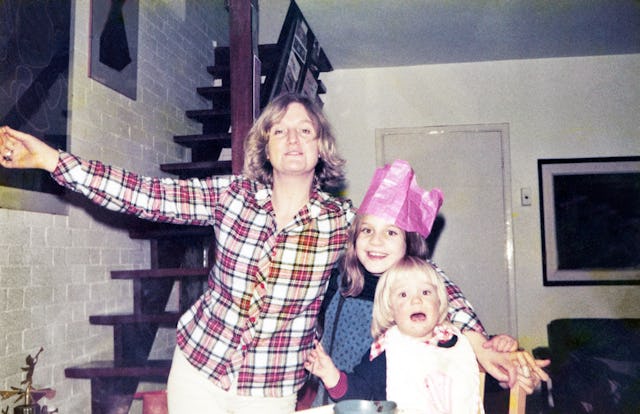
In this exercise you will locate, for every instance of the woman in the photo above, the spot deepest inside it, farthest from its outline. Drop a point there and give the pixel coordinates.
(241, 346)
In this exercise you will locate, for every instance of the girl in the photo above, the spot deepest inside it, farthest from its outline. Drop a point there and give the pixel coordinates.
(381, 235)
(418, 359)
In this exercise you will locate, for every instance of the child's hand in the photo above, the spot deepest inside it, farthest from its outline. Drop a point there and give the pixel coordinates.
(319, 363)
(502, 343)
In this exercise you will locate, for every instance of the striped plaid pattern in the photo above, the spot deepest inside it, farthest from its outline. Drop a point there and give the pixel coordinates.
(256, 319)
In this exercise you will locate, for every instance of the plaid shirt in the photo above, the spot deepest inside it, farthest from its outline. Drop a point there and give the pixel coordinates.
(256, 320)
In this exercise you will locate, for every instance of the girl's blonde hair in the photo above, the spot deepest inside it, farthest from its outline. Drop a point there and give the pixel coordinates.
(352, 280)
(382, 311)
(330, 168)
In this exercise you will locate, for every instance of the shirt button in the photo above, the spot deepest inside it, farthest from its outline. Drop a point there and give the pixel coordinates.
(252, 319)
(244, 348)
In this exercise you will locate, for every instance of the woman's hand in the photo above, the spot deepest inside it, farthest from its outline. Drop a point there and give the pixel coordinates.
(530, 372)
(508, 368)
(319, 363)
(21, 150)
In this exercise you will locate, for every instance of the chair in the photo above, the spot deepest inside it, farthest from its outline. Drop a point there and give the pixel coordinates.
(153, 402)
(517, 397)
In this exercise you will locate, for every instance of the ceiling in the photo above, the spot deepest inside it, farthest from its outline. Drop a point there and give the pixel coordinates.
(377, 33)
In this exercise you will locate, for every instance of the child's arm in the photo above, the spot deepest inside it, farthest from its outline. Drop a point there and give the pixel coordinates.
(319, 363)
(367, 381)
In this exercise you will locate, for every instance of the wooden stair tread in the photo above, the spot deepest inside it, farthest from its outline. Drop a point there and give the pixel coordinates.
(269, 58)
(266, 52)
(175, 272)
(221, 138)
(198, 169)
(213, 119)
(207, 113)
(95, 369)
(221, 71)
(115, 319)
(214, 92)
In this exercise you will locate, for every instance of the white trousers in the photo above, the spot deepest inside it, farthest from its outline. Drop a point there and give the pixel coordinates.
(189, 391)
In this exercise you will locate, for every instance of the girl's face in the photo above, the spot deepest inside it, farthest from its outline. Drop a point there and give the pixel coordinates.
(415, 305)
(379, 244)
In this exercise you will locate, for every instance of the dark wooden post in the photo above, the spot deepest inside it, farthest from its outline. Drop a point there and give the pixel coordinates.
(243, 15)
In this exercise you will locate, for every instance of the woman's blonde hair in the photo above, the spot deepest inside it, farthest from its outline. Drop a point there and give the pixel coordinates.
(352, 281)
(382, 311)
(329, 171)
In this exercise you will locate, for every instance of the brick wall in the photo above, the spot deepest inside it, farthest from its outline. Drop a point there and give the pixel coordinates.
(54, 270)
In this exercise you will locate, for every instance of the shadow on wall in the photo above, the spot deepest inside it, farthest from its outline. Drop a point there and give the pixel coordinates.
(434, 236)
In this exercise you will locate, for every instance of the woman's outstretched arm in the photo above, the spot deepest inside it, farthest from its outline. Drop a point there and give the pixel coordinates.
(22, 150)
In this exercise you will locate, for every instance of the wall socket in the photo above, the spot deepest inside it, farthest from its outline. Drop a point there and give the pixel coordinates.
(525, 196)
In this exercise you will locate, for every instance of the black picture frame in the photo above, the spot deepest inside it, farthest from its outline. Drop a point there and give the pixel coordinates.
(114, 45)
(590, 220)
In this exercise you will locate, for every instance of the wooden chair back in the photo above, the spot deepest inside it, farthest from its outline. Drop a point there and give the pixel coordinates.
(517, 397)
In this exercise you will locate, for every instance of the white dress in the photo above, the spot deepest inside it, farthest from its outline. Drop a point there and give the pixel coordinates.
(423, 377)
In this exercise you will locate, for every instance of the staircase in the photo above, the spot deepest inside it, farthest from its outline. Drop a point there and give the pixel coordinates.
(179, 254)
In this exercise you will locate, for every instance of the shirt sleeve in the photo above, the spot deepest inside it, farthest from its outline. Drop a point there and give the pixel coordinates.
(188, 201)
(461, 312)
(368, 381)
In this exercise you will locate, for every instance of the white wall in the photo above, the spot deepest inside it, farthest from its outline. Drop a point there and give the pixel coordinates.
(555, 108)
(55, 270)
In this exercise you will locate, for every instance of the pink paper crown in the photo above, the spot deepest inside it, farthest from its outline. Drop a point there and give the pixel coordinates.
(394, 195)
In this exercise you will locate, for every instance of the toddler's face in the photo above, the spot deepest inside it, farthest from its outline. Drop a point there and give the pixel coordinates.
(379, 244)
(415, 305)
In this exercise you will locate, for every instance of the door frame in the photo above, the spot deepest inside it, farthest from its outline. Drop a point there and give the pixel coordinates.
(503, 130)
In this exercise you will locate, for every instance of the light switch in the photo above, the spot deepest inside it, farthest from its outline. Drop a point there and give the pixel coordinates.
(525, 196)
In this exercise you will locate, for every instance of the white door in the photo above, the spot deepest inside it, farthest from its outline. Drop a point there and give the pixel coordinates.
(470, 163)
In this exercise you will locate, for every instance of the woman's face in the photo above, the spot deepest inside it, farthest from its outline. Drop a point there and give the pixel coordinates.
(415, 305)
(379, 244)
(293, 148)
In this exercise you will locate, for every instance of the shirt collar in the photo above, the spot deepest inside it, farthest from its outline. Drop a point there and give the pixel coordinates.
(443, 337)
(317, 199)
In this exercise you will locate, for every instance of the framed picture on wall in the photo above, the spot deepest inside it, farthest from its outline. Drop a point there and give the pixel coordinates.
(310, 85)
(301, 59)
(300, 41)
(114, 45)
(590, 220)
